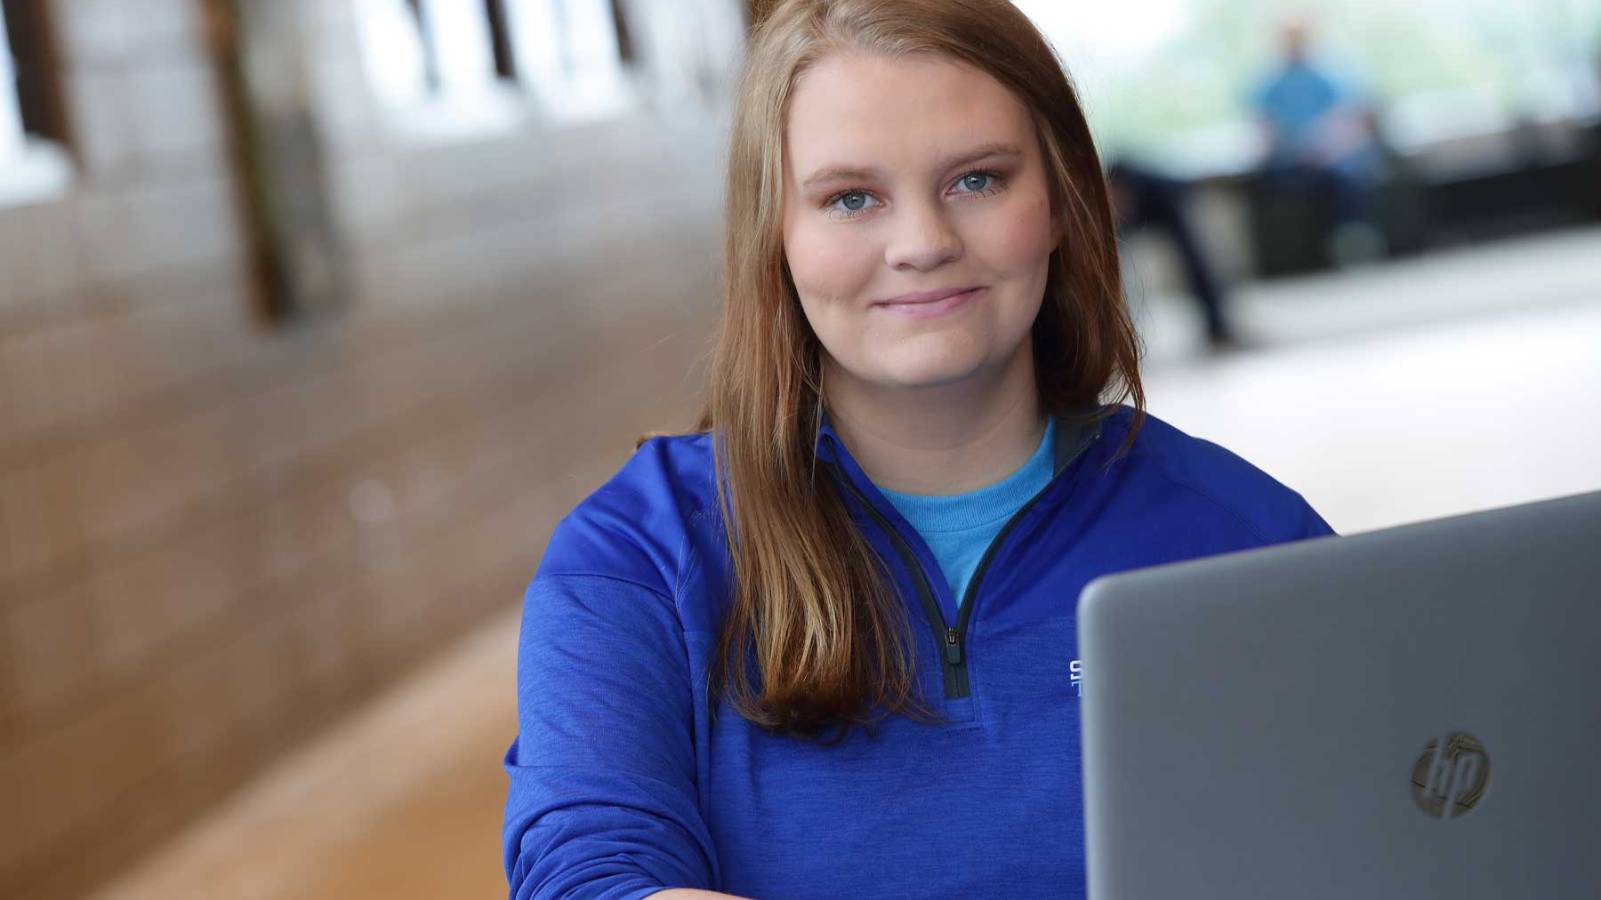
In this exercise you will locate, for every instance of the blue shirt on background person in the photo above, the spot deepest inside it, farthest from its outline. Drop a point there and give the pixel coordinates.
(1316, 113)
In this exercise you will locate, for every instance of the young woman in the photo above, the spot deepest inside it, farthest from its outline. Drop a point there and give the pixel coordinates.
(824, 645)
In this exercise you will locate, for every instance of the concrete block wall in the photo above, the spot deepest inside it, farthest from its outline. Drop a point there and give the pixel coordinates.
(217, 535)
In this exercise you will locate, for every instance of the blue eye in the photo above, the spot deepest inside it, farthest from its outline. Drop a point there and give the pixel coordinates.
(977, 182)
(849, 204)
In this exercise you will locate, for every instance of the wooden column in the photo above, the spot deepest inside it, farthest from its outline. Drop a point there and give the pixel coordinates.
(278, 158)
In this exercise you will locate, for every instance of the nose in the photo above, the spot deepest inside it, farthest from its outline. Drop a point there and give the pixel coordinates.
(923, 240)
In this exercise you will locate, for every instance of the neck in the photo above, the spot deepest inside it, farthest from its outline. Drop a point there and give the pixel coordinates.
(939, 439)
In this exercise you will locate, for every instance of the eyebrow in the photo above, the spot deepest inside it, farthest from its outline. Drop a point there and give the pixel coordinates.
(857, 173)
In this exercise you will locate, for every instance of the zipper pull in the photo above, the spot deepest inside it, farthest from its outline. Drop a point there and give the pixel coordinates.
(953, 646)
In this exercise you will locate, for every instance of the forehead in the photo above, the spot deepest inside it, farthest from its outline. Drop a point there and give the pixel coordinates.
(870, 109)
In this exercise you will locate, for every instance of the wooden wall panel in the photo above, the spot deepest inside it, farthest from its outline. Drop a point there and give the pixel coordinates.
(216, 536)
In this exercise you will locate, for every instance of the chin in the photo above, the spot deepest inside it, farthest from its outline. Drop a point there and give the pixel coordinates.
(929, 373)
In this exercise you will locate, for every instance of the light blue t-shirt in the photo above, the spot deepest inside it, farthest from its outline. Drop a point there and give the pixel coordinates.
(958, 528)
(1295, 96)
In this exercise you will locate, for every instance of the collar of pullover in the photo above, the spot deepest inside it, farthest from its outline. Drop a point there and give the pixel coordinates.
(1073, 435)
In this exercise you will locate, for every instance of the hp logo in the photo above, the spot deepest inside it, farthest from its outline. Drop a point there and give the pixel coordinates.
(1449, 778)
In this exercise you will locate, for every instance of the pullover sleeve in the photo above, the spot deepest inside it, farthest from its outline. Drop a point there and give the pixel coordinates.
(602, 799)
(1313, 526)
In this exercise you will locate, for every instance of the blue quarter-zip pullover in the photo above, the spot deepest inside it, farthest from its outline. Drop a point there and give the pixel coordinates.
(621, 783)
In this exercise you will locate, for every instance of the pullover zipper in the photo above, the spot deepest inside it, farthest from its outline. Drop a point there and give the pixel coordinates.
(951, 638)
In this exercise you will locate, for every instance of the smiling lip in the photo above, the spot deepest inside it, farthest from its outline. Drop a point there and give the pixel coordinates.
(926, 304)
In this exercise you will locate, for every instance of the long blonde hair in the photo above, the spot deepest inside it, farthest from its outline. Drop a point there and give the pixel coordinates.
(810, 596)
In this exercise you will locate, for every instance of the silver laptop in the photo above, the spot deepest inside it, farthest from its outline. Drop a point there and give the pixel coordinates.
(1406, 713)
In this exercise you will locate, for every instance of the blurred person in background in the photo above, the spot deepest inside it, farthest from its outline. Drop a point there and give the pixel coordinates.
(1595, 70)
(1321, 139)
(828, 636)
(1143, 198)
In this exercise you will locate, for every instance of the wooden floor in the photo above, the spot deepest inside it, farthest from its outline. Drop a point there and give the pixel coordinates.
(401, 801)
(1460, 382)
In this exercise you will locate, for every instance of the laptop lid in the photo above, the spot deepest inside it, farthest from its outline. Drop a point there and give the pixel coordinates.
(1412, 712)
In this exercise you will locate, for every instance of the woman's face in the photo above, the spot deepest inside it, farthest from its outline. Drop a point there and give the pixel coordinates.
(917, 218)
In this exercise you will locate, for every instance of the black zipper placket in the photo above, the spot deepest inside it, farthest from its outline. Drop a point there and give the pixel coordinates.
(956, 638)
(952, 667)
(952, 640)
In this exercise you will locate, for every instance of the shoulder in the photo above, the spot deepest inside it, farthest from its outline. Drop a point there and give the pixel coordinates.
(634, 527)
(1213, 477)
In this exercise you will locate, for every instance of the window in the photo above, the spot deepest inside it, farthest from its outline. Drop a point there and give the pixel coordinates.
(391, 39)
(417, 49)
(33, 162)
(570, 55)
(10, 110)
(443, 67)
(457, 48)
(690, 49)
(10, 114)
(1173, 75)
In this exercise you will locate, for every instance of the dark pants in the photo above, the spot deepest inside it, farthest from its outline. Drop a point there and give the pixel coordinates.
(1348, 195)
(1156, 201)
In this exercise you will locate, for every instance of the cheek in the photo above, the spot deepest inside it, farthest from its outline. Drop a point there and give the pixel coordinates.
(1021, 241)
(828, 265)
